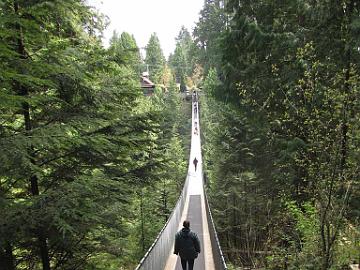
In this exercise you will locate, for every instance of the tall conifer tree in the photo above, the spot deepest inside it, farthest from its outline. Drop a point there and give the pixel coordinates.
(154, 59)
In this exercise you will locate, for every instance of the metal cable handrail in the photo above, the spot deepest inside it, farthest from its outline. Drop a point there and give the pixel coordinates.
(218, 256)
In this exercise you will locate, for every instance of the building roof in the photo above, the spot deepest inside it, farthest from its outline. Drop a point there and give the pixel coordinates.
(146, 83)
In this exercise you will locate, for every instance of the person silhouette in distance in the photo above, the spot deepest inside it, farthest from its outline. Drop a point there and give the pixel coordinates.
(195, 162)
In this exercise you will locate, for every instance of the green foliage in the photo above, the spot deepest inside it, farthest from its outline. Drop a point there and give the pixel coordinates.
(183, 60)
(125, 51)
(303, 253)
(212, 83)
(208, 34)
(347, 247)
(178, 63)
(154, 58)
(286, 99)
(79, 142)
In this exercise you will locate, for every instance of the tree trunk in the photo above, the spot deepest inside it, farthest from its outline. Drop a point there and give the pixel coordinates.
(7, 257)
(164, 200)
(347, 88)
(34, 187)
(44, 252)
(142, 222)
(329, 225)
(344, 124)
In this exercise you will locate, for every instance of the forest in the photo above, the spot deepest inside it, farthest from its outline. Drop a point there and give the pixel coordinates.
(91, 167)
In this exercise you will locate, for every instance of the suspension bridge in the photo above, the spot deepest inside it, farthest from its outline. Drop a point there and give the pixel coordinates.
(192, 205)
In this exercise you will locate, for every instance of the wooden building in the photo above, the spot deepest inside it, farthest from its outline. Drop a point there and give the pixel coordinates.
(146, 84)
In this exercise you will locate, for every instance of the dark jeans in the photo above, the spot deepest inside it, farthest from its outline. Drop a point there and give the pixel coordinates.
(189, 261)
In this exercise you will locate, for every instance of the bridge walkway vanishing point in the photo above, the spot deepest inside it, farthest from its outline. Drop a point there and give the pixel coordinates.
(194, 209)
(192, 205)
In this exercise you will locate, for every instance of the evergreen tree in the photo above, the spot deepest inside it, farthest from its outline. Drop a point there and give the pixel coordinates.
(125, 50)
(179, 64)
(184, 59)
(208, 34)
(73, 140)
(185, 42)
(291, 88)
(154, 58)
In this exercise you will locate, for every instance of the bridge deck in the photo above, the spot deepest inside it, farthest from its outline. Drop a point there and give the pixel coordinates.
(194, 209)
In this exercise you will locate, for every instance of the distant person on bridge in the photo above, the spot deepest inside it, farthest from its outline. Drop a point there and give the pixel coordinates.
(195, 98)
(195, 162)
(187, 245)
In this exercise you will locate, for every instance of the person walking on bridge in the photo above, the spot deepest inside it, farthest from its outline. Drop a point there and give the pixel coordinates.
(195, 98)
(187, 245)
(195, 162)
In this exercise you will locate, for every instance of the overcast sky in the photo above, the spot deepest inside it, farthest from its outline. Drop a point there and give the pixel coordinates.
(143, 17)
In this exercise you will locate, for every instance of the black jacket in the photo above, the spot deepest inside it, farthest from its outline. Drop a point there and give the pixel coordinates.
(187, 244)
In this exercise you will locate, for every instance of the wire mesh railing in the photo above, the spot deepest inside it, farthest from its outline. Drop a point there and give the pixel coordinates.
(157, 255)
(218, 256)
